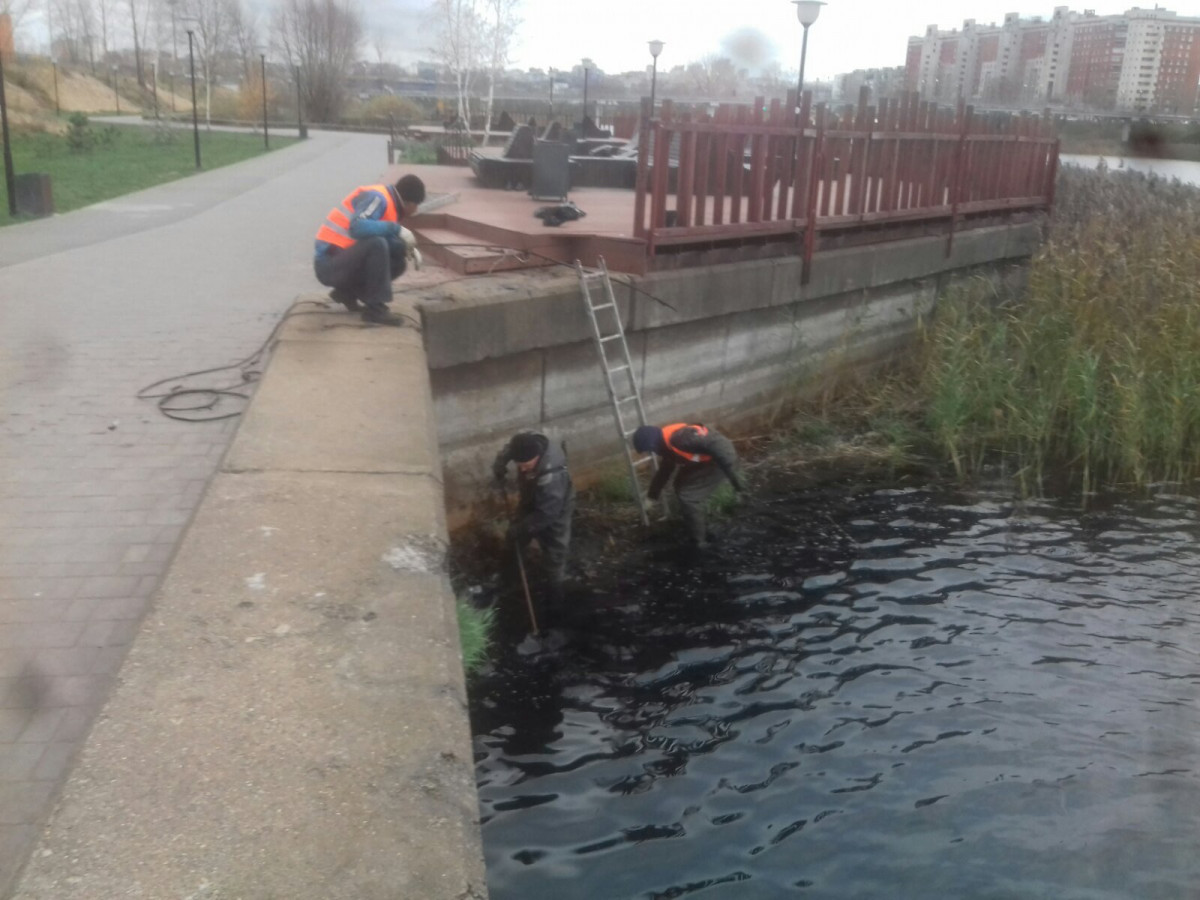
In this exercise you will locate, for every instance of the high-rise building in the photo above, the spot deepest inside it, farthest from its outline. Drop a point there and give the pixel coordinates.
(1141, 61)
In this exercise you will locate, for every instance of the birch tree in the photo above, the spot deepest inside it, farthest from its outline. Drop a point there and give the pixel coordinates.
(459, 31)
(501, 25)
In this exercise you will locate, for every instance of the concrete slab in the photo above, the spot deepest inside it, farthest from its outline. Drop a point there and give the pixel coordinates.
(331, 402)
(291, 721)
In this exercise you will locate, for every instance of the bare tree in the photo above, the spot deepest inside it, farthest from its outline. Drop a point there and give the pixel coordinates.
(15, 10)
(74, 19)
(459, 32)
(715, 77)
(104, 9)
(501, 24)
(322, 37)
(243, 33)
(209, 23)
(139, 16)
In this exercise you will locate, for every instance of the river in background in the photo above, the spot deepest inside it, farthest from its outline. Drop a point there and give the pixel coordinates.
(1185, 171)
(880, 693)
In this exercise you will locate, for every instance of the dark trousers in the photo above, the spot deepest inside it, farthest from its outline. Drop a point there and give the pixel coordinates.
(364, 270)
(554, 541)
(694, 484)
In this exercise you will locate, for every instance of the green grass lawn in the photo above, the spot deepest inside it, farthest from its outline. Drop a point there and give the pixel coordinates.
(123, 159)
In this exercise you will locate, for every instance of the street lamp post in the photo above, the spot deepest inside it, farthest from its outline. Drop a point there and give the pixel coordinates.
(10, 178)
(54, 65)
(266, 136)
(807, 12)
(154, 65)
(656, 48)
(583, 122)
(171, 81)
(299, 108)
(116, 95)
(195, 114)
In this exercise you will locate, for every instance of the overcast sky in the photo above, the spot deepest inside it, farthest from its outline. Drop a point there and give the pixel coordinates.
(848, 35)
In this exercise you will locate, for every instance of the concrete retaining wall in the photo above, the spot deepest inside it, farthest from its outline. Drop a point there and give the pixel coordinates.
(723, 344)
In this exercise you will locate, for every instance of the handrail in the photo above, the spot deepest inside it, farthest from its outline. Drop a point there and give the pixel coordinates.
(756, 170)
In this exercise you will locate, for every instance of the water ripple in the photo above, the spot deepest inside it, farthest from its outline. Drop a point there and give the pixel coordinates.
(892, 693)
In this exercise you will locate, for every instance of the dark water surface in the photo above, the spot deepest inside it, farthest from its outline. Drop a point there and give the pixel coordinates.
(886, 695)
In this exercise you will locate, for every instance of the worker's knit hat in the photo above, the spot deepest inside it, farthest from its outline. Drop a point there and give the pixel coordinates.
(647, 439)
(526, 446)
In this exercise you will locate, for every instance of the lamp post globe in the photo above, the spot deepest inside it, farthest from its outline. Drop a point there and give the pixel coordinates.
(806, 12)
(656, 47)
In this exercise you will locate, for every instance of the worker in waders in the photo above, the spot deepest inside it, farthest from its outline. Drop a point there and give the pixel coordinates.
(362, 246)
(700, 458)
(546, 503)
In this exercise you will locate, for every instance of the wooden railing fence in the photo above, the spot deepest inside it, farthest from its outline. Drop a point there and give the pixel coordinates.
(744, 173)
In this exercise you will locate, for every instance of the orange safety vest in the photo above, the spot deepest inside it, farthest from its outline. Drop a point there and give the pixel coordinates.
(336, 227)
(669, 430)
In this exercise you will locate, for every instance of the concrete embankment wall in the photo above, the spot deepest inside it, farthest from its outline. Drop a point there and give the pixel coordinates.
(721, 344)
(291, 720)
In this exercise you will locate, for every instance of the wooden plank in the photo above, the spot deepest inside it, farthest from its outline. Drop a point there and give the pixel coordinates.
(687, 171)
(800, 176)
(810, 217)
(709, 233)
(700, 185)
(723, 163)
(741, 119)
(858, 158)
(641, 186)
(758, 166)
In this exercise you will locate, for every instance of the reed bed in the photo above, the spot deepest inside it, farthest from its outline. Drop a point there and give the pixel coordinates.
(1091, 381)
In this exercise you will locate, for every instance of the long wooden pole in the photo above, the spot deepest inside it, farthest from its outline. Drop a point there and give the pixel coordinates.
(525, 584)
(521, 568)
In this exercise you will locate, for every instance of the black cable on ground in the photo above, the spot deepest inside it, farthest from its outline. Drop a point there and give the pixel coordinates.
(203, 402)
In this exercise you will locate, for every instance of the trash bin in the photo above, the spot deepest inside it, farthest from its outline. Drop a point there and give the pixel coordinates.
(33, 194)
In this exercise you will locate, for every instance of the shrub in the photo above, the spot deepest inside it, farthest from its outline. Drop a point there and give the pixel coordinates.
(389, 108)
(80, 138)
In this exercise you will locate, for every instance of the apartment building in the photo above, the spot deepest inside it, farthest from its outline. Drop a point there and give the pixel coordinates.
(1141, 61)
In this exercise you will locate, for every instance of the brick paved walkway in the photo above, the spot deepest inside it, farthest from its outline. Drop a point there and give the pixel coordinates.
(96, 487)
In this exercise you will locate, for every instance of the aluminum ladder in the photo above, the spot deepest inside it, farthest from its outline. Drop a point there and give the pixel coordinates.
(619, 377)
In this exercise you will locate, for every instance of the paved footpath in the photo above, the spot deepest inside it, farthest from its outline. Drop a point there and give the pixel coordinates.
(97, 486)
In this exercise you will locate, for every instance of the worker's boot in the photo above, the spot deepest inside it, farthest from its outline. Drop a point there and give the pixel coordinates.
(348, 300)
(381, 315)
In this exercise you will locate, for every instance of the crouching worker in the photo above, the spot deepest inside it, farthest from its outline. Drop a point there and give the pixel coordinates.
(362, 246)
(699, 458)
(546, 503)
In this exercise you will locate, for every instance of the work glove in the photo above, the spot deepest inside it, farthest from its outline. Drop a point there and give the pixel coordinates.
(410, 245)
